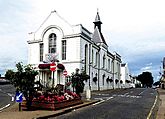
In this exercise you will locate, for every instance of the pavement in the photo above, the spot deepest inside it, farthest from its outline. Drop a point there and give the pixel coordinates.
(12, 112)
(161, 110)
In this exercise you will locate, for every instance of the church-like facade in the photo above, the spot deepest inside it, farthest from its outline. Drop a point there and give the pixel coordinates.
(71, 47)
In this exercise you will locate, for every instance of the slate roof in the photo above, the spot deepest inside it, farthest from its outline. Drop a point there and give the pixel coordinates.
(97, 35)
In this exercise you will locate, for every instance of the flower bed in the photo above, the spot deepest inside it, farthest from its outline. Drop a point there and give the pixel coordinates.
(54, 102)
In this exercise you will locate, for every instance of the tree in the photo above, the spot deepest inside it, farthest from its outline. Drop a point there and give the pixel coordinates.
(23, 80)
(146, 79)
(78, 81)
(156, 83)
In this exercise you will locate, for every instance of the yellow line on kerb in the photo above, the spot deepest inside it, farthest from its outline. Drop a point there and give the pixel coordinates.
(149, 115)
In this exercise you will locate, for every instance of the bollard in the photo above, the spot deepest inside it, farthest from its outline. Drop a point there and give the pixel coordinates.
(88, 94)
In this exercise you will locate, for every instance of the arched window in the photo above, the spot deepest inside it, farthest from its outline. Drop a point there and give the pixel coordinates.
(52, 43)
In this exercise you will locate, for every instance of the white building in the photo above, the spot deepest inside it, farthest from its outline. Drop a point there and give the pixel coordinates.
(125, 75)
(73, 46)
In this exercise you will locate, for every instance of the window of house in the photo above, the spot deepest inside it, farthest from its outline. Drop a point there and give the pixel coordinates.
(86, 57)
(109, 65)
(52, 43)
(92, 56)
(64, 50)
(41, 51)
(104, 61)
(96, 59)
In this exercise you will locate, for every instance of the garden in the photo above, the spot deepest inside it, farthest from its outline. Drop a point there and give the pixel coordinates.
(51, 99)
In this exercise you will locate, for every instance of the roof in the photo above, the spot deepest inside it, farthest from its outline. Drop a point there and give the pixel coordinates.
(98, 36)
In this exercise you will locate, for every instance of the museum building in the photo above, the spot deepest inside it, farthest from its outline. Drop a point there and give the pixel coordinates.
(72, 47)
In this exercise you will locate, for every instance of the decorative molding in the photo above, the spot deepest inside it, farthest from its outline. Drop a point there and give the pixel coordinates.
(34, 41)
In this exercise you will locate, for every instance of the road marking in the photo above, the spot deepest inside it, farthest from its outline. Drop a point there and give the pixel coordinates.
(128, 96)
(99, 102)
(149, 115)
(9, 94)
(102, 94)
(141, 92)
(126, 93)
(109, 98)
(98, 99)
(12, 99)
(4, 107)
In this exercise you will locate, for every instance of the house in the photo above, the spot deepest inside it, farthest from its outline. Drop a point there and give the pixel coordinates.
(162, 79)
(71, 47)
(125, 76)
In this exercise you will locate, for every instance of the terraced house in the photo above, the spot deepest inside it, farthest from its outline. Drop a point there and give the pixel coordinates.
(73, 46)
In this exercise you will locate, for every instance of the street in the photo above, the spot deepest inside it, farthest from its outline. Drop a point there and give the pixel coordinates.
(118, 104)
(7, 93)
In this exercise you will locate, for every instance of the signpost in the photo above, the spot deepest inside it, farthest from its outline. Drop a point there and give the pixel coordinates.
(19, 99)
(53, 69)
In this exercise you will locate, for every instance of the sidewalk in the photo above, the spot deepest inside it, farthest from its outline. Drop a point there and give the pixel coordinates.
(13, 113)
(161, 110)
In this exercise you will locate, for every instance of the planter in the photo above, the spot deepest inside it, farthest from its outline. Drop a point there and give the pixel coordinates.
(36, 104)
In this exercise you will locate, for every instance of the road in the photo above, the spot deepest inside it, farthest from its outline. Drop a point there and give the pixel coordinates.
(118, 104)
(7, 93)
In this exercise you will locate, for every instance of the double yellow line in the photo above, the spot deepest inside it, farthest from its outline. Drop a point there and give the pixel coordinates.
(149, 115)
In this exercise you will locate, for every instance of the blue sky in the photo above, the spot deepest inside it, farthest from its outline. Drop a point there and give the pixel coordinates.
(133, 28)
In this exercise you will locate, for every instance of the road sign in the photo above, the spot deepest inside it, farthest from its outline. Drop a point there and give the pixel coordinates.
(65, 73)
(19, 97)
(53, 66)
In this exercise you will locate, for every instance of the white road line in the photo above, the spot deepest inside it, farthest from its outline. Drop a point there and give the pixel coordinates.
(98, 99)
(109, 98)
(99, 102)
(9, 94)
(4, 107)
(12, 99)
(149, 115)
(126, 93)
(141, 92)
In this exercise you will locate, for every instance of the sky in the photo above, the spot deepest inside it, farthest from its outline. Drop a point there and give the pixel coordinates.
(133, 28)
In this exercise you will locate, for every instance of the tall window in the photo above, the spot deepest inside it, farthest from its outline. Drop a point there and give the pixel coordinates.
(52, 43)
(109, 65)
(92, 56)
(41, 51)
(64, 50)
(86, 57)
(104, 61)
(96, 62)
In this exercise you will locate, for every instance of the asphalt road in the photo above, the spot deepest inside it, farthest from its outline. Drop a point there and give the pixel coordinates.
(118, 104)
(7, 93)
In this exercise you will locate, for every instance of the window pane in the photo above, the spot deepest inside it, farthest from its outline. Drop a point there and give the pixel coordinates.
(41, 51)
(52, 43)
(64, 50)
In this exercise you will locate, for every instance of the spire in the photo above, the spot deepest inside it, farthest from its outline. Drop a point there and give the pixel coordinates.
(97, 16)
(97, 21)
